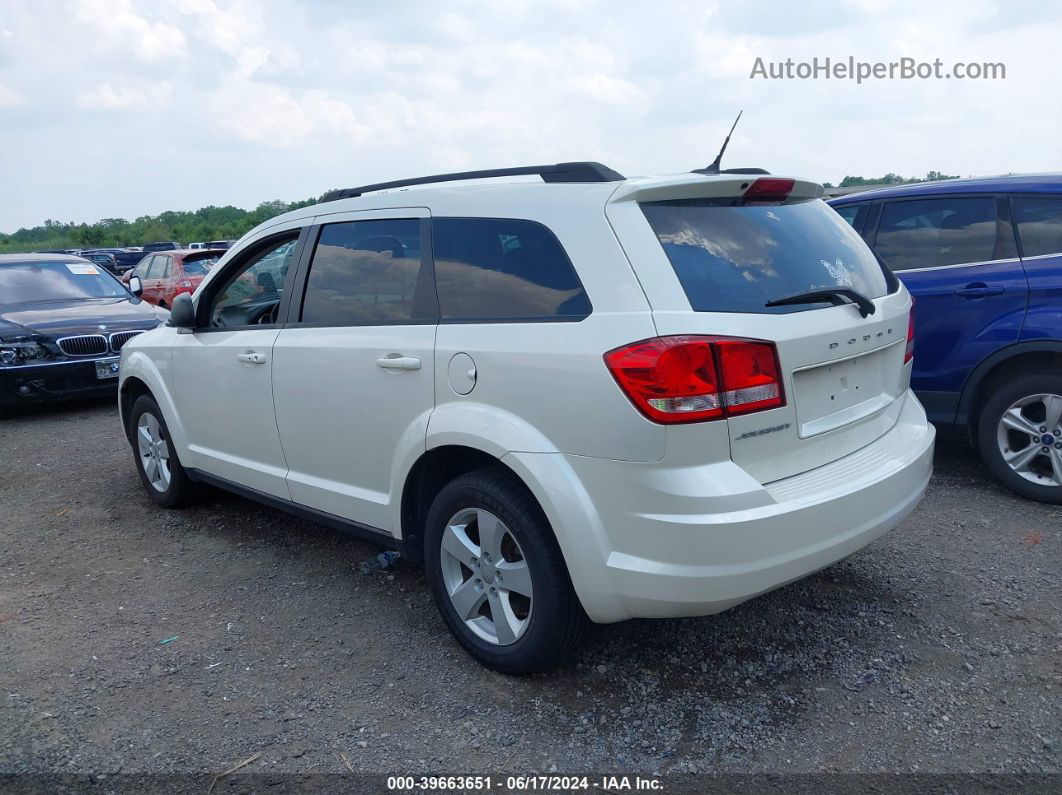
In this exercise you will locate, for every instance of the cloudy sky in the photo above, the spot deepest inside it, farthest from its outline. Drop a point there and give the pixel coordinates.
(130, 107)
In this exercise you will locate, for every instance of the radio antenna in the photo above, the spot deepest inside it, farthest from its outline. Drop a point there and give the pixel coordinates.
(714, 167)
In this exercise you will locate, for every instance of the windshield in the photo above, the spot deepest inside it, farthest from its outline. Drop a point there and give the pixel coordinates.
(30, 282)
(737, 258)
(200, 265)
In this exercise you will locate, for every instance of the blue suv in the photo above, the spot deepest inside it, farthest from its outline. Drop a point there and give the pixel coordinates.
(983, 258)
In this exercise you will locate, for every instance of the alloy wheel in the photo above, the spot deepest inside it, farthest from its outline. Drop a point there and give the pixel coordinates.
(1030, 438)
(486, 576)
(154, 451)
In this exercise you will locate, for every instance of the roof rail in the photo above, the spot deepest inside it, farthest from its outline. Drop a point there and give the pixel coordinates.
(583, 171)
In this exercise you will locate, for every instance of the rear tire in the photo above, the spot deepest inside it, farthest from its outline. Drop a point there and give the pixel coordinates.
(1019, 434)
(164, 479)
(498, 577)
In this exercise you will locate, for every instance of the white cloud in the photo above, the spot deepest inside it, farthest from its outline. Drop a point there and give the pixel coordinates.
(108, 97)
(119, 24)
(606, 88)
(9, 98)
(279, 118)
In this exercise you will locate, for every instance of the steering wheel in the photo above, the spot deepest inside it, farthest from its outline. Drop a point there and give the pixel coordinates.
(269, 316)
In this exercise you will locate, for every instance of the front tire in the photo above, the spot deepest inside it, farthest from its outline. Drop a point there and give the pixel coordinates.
(497, 575)
(164, 479)
(1019, 434)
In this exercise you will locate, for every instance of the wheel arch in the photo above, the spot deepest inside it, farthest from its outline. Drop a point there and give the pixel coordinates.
(139, 376)
(1032, 356)
(432, 470)
(131, 390)
(554, 486)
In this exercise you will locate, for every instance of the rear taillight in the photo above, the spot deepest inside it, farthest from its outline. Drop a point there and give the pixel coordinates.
(694, 378)
(909, 353)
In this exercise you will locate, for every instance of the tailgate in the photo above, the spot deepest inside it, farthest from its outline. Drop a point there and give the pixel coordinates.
(711, 261)
(843, 377)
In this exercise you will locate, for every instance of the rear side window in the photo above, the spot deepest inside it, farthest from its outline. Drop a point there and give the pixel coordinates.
(737, 258)
(364, 273)
(155, 267)
(931, 233)
(853, 214)
(1039, 220)
(504, 269)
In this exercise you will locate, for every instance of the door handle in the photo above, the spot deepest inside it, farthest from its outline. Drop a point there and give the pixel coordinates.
(978, 290)
(399, 363)
(252, 358)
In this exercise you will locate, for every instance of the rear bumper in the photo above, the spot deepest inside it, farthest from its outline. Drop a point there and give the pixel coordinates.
(661, 554)
(54, 381)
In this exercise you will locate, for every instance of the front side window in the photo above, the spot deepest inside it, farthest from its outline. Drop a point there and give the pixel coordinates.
(1039, 220)
(253, 296)
(931, 233)
(737, 258)
(364, 273)
(503, 269)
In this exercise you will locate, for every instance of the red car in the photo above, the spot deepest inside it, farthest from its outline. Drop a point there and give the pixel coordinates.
(167, 274)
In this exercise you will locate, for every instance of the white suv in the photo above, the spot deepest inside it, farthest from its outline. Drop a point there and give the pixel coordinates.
(581, 397)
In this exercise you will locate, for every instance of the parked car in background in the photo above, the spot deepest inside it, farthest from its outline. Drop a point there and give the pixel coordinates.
(171, 245)
(128, 258)
(103, 250)
(217, 244)
(983, 259)
(588, 396)
(103, 259)
(63, 321)
(166, 275)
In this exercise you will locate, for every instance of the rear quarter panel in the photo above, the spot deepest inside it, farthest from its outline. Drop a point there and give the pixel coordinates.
(543, 386)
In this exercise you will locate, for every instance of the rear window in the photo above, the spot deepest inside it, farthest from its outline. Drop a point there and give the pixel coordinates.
(504, 269)
(737, 258)
(199, 266)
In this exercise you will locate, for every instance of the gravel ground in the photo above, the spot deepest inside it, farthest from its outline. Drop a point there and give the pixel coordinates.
(936, 649)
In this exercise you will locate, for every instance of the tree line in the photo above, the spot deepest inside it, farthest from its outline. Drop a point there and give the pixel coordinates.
(889, 179)
(207, 223)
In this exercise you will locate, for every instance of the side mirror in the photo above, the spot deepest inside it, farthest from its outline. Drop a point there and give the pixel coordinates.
(182, 313)
(136, 286)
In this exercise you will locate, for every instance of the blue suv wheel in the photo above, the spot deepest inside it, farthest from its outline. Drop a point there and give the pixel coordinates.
(1020, 435)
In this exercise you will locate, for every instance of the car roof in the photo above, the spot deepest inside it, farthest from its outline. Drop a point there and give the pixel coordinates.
(181, 253)
(528, 197)
(1014, 183)
(22, 259)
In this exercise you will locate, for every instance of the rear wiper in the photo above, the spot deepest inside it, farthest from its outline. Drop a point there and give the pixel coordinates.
(832, 295)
